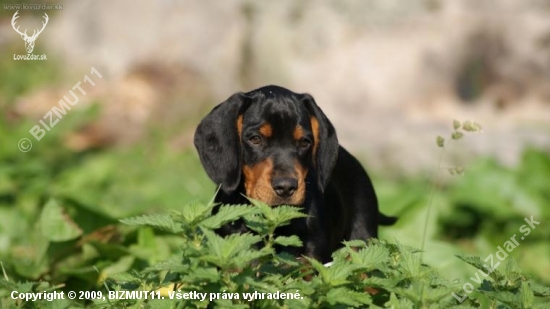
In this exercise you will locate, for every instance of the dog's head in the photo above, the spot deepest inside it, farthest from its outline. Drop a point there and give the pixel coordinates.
(268, 141)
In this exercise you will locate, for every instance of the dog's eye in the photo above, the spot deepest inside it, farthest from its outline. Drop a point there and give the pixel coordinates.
(304, 143)
(255, 140)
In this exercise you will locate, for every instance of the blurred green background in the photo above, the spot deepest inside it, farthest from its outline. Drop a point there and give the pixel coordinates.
(126, 147)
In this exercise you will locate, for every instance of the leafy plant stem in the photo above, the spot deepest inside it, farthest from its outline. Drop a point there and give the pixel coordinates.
(428, 212)
(430, 202)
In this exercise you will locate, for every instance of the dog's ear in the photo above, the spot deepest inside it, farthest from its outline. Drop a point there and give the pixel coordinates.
(325, 145)
(218, 142)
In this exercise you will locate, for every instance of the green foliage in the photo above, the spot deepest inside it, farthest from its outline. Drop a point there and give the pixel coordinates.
(240, 265)
(56, 225)
(510, 287)
(245, 270)
(17, 79)
(474, 213)
(358, 271)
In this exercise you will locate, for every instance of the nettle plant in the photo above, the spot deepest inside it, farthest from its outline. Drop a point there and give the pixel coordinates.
(245, 270)
(235, 271)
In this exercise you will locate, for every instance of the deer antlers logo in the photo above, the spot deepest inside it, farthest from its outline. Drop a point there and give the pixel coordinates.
(29, 40)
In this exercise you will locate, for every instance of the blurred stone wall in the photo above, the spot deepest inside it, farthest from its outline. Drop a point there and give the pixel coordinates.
(390, 74)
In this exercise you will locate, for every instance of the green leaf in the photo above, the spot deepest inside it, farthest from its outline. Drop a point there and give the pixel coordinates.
(348, 297)
(124, 264)
(479, 264)
(272, 284)
(225, 249)
(124, 278)
(527, 297)
(323, 272)
(195, 212)
(338, 272)
(226, 214)
(384, 283)
(512, 271)
(356, 243)
(373, 257)
(283, 214)
(173, 264)
(265, 209)
(475, 261)
(257, 224)
(209, 274)
(56, 224)
(245, 257)
(399, 303)
(163, 222)
(539, 290)
(289, 241)
(436, 294)
(286, 259)
(409, 261)
(506, 297)
(280, 215)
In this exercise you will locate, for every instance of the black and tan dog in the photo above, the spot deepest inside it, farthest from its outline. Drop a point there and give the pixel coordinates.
(277, 146)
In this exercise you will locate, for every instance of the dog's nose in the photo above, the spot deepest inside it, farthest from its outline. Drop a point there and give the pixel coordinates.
(284, 186)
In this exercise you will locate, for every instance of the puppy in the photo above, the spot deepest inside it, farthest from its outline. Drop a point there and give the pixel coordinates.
(277, 146)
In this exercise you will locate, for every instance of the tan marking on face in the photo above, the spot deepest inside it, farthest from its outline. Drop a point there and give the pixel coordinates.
(315, 129)
(298, 133)
(240, 125)
(266, 130)
(257, 184)
(299, 196)
(257, 181)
